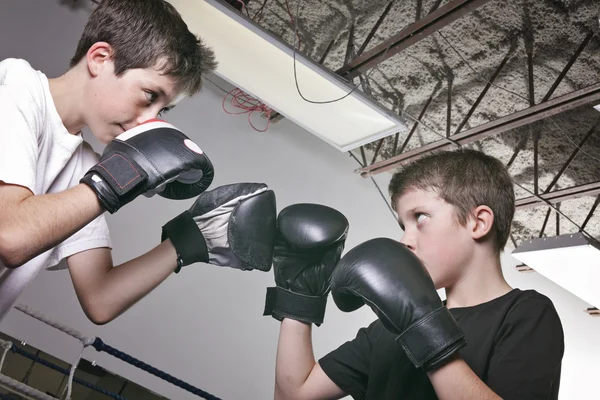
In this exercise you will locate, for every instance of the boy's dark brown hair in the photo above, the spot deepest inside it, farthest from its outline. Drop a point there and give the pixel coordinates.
(145, 32)
(466, 179)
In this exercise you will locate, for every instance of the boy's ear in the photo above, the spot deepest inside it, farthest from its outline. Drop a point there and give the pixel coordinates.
(482, 221)
(98, 55)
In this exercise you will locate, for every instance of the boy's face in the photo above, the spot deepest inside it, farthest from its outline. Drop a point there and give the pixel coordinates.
(116, 104)
(433, 233)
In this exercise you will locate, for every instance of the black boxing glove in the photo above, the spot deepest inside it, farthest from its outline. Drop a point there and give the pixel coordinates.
(229, 226)
(388, 277)
(309, 244)
(154, 157)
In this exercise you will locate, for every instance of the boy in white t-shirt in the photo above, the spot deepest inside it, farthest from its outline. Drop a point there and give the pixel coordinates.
(134, 59)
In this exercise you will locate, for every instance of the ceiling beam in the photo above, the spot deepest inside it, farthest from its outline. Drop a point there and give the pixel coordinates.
(520, 118)
(558, 196)
(410, 35)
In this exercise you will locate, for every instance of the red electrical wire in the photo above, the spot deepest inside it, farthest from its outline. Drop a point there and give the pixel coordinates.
(243, 7)
(249, 105)
(242, 100)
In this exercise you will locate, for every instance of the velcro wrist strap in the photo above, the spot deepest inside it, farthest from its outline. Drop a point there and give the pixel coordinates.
(282, 303)
(432, 339)
(106, 196)
(186, 238)
(121, 173)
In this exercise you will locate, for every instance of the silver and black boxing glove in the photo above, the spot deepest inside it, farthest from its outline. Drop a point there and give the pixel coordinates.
(309, 243)
(388, 277)
(154, 157)
(229, 226)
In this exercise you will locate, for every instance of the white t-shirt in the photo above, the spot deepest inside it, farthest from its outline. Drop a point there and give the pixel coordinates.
(37, 152)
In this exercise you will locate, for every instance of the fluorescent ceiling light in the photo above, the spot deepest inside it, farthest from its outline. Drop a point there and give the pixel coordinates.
(255, 61)
(571, 261)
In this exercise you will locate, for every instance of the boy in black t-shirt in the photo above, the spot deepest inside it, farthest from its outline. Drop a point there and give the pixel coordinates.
(486, 341)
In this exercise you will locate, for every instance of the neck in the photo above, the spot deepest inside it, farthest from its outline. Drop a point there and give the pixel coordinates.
(66, 91)
(482, 281)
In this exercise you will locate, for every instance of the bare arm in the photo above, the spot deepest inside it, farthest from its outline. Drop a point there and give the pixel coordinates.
(105, 292)
(297, 374)
(30, 225)
(457, 381)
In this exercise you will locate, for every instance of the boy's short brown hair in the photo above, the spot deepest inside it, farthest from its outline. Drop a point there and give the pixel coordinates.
(144, 33)
(466, 179)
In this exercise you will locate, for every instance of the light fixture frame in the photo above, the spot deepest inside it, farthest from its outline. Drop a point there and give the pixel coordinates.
(576, 276)
(375, 114)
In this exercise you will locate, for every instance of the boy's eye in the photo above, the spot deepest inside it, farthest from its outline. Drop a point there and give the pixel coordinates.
(151, 96)
(163, 111)
(420, 217)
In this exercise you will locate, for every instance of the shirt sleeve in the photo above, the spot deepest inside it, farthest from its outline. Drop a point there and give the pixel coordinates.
(95, 234)
(526, 362)
(18, 136)
(348, 366)
(92, 236)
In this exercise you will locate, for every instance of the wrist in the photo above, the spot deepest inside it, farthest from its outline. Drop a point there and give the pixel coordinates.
(452, 364)
(456, 380)
(175, 261)
(283, 303)
(186, 239)
(449, 373)
(91, 197)
(290, 323)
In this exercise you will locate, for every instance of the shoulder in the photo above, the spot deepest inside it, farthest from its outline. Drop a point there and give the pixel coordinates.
(531, 310)
(365, 338)
(21, 86)
(530, 299)
(373, 330)
(369, 336)
(16, 71)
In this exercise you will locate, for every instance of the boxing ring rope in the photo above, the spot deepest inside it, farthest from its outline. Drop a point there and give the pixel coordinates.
(22, 389)
(57, 368)
(99, 346)
(15, 386)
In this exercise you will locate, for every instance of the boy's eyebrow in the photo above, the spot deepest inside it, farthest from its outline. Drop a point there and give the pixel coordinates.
(161, 92)
(158, 89)
(412, 210)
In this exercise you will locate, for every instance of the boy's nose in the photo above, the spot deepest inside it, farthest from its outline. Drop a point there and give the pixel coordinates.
(148, 114)
(408, 241)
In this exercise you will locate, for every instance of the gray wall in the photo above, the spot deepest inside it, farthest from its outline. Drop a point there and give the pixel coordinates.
(205, 325)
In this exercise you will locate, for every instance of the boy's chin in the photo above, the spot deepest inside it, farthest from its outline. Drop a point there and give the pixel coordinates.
(113, 131)
(440, 282)
(106, 136)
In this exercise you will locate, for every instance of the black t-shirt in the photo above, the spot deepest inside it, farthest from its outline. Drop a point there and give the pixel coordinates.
(515, 345)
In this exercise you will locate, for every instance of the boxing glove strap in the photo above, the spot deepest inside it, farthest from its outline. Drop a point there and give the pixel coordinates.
(187, 240)
(106, 196)
(282, 303)
(432, 339)
(120, 174)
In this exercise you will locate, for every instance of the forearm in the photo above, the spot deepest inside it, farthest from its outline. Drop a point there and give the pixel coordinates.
(457, 381)
(105, 293)
(295, 358)
(38, 223)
